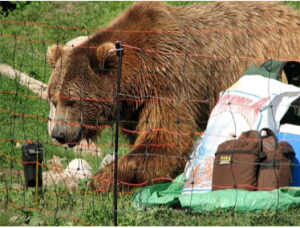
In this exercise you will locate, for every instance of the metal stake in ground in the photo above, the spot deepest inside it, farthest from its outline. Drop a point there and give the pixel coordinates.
(119, 52)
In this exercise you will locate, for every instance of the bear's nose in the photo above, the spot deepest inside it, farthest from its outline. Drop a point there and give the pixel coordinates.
(60, 139)
(59, 136)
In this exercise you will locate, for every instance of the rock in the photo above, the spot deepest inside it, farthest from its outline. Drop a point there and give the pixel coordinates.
(88, 148)
(18, 145)
(53, 178)
(79, 167)
(56, 163)
(108, 159)
(14, 218)
(76, 170)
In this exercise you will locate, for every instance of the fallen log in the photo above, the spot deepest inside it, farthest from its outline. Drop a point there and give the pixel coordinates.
(34, 85)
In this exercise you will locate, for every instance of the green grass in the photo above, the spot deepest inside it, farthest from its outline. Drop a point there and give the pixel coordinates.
(67, 209)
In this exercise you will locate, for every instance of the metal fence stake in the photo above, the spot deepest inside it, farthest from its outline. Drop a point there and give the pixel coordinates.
(119, 52)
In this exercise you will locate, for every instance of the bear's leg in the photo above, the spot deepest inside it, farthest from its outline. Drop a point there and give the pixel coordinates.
(162, 146)
(159, 160)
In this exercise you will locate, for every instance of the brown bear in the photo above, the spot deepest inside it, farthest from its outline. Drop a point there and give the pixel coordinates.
(176, 61)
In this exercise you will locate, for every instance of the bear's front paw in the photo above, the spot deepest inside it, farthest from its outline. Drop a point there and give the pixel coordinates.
(103, 181)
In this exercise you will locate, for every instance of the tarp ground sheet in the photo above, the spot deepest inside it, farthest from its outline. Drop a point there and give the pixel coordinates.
(170, 194)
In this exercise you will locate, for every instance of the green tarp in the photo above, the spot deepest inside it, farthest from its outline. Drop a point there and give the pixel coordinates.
(170, 194)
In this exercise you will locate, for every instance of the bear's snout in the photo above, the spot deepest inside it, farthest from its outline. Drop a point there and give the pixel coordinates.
(58, 135)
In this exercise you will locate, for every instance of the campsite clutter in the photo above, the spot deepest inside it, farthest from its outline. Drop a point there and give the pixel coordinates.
(241, 108)
(246, 146)
(255, 161)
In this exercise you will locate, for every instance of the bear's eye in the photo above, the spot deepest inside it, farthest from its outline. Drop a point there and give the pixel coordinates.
(106, 67)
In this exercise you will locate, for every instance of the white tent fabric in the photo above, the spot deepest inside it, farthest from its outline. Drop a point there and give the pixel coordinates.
(252, 103)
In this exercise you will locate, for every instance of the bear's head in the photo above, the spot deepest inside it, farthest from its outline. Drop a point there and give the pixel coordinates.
(81, 89)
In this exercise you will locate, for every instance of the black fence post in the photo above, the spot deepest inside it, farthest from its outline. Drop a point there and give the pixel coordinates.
(119, 52)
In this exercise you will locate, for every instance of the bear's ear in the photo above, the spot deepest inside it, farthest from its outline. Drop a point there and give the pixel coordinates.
(106, 60)
(54, 52)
